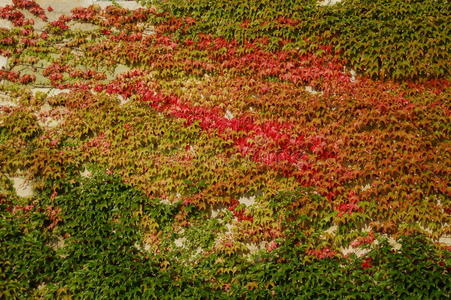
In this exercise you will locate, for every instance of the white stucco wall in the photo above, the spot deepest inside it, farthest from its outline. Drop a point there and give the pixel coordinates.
(328, 2)
(64, 6)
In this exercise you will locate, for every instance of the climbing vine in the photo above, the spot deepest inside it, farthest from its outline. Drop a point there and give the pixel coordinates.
(172, 158)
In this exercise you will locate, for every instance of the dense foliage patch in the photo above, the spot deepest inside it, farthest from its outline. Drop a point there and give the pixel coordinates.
(91, 248)
(170, 162)
(384, 39)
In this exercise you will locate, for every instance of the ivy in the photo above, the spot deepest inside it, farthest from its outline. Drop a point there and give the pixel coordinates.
(218, 149)
(383, 39)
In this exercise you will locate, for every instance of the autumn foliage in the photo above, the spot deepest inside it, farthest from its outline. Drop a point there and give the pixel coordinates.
(235, 149)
